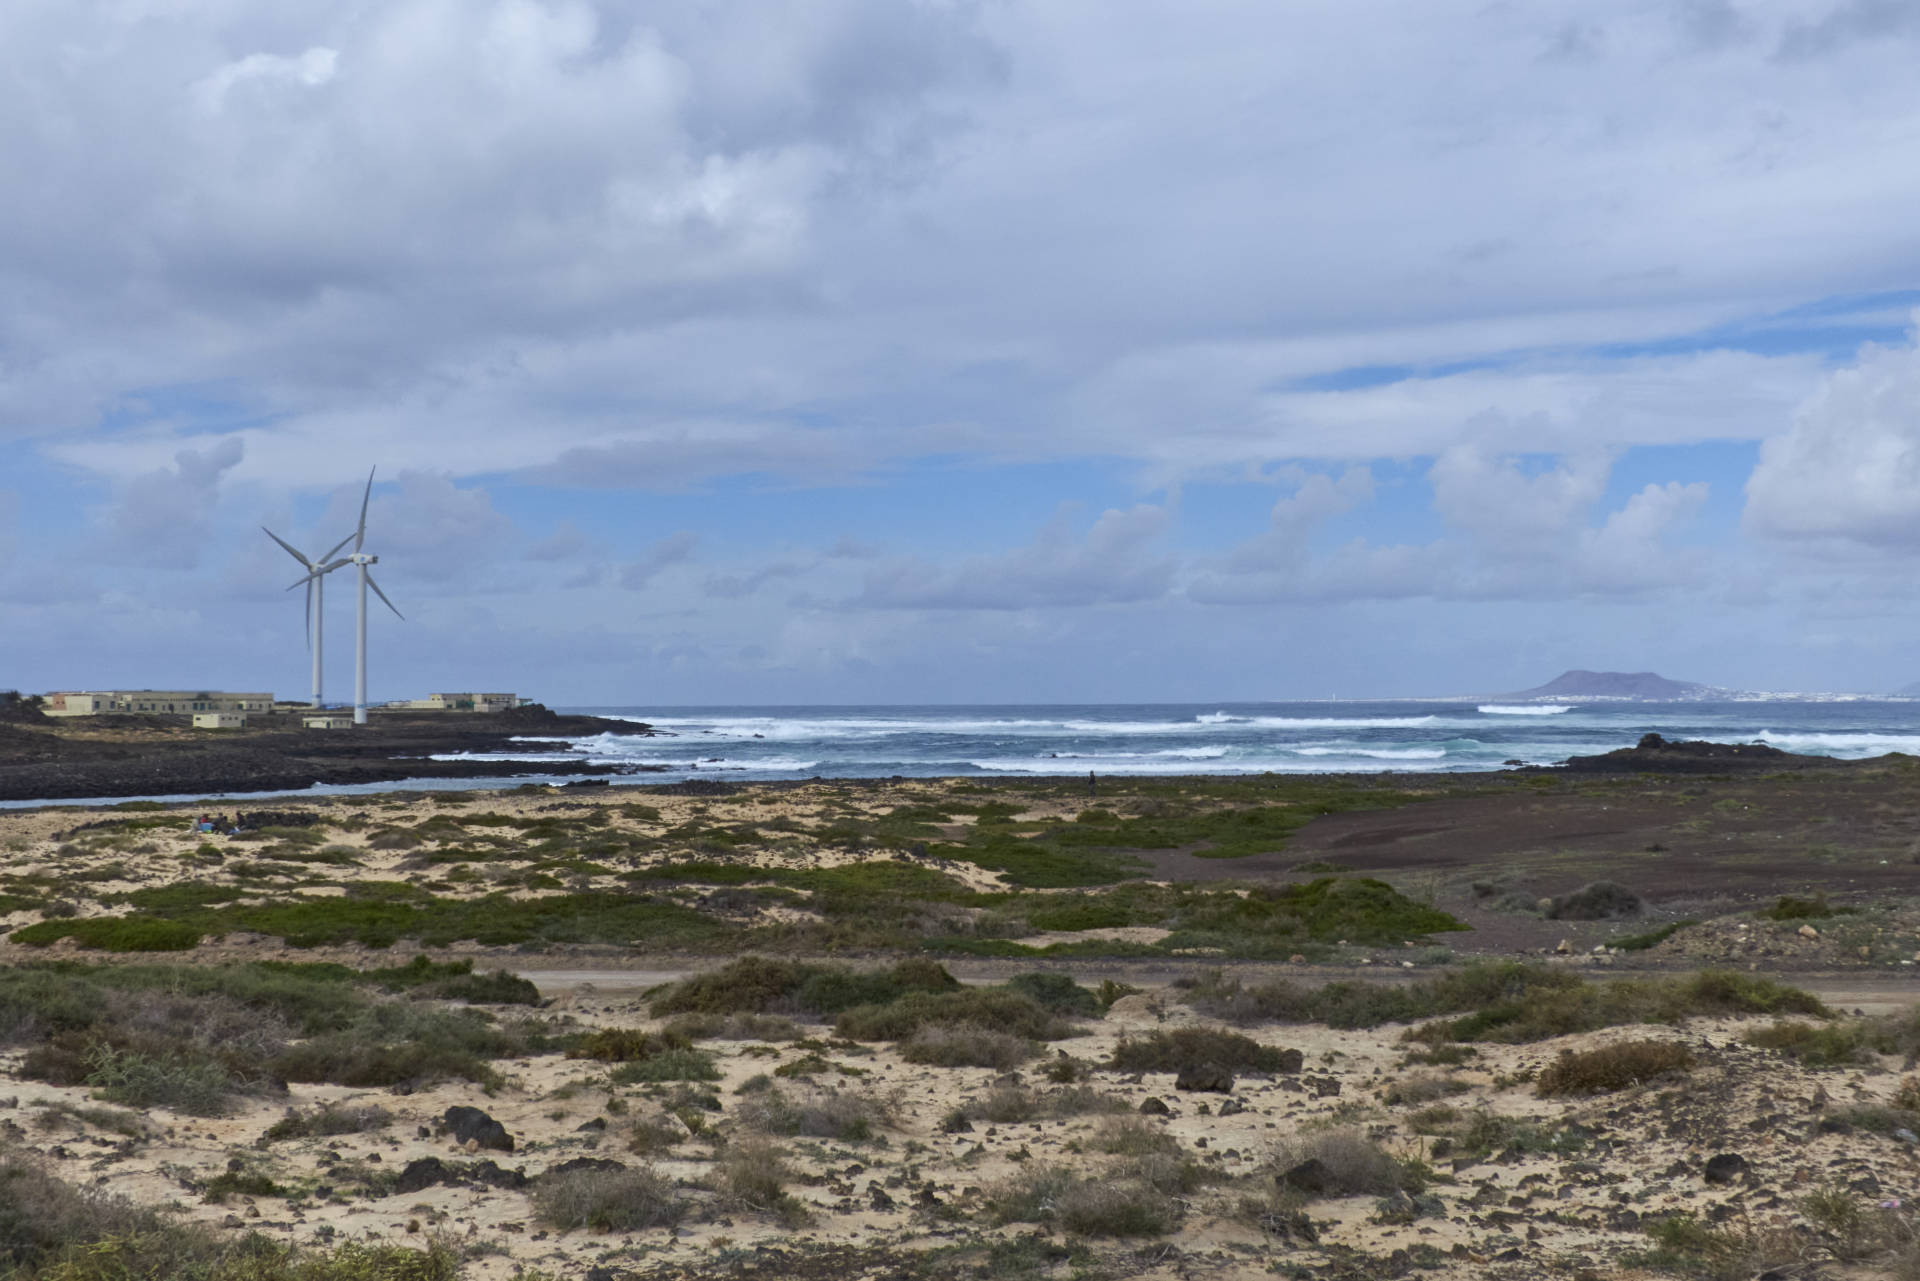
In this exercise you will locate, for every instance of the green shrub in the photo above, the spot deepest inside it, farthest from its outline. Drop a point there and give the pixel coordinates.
(113, 934)
(1171, 1051)
(668, 1065)
(756, 984)
(195, 1086)
(1650, 938)
(1057, 992)
(994, 1009)
(1612, 1067)
(1828, 1045)
(329, 1119)
(1790, 908)
(625, 1045)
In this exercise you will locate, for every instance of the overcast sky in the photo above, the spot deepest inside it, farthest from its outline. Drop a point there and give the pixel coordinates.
(932, 351)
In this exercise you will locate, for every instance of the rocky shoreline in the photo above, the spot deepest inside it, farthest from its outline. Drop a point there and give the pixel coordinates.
(42, 758)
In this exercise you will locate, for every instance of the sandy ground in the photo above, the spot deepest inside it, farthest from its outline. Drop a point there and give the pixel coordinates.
(915, 1187)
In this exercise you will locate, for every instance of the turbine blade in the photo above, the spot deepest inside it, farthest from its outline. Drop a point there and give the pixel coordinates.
(308, 579)
(309, 613)
(360, 534)
(291, 550)
(383, 596)
(334, 550)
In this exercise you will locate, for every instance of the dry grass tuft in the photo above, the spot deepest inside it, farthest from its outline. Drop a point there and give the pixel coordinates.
(1612, 1067)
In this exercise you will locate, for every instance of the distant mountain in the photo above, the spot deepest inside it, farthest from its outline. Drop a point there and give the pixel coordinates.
(1625, 685)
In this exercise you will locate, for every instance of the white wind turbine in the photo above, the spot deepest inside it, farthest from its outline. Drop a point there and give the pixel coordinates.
(361, 559)
(316, 585)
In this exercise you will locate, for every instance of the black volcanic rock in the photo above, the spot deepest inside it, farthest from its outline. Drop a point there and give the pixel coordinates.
(1621, 685)
(1657, 755)
(162, 756)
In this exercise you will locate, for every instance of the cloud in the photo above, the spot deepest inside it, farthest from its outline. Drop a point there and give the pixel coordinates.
(669, 551)
(736, 586)
(160, 519)
(1114, 563)
(565, 543)
(310, 70)
(1849, 467)
(1850, 22)
(1512, 508)
(1517, 529)
(1315, 497)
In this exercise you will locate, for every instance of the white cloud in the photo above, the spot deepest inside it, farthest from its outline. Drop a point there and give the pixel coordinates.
(1850, 466)
(1515, 532)
(1315, 497)
(1515, 510)
(310, 69)
(160, 519)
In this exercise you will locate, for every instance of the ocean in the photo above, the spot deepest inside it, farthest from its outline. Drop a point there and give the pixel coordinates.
(756, 743)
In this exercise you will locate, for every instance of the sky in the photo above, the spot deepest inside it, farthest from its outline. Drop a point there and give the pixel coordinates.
(924, 351)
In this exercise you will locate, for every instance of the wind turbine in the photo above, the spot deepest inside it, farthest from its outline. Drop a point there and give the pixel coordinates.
(316, 585)
(361, 559)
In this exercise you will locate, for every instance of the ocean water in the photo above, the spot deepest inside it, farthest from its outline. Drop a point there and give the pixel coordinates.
(749, 743)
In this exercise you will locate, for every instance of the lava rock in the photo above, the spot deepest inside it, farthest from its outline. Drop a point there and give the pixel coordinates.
(1724, 1167)
(1154, 1107)
(1205, 1078)
(582, 1163)
(471, 1125)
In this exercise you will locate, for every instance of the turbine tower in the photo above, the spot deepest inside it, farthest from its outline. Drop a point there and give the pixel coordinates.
(361, 559)
(316, 585)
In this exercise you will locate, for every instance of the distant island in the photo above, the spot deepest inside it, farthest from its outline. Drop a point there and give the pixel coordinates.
(1649, 686)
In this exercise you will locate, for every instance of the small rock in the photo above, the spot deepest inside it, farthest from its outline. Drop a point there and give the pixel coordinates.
(1807, 932)
(1724, 1167)
(1563, 948)
(1906, 1136)
(1151, 1106)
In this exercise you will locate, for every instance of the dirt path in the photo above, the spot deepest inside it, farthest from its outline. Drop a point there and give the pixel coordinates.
(1868, 994)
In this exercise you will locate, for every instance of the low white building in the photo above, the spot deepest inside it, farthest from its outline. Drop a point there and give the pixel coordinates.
(152, 702)
(219, 720)
(460, 703)
(328, 720)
